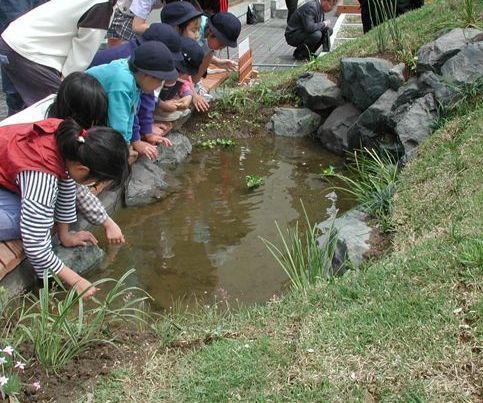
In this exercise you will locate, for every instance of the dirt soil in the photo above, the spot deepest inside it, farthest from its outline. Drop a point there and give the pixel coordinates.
(87, 368)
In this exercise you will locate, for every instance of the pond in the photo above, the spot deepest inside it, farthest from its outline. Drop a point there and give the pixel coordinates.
(202, 242)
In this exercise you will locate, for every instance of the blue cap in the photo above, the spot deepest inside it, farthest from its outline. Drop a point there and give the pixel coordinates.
(167, 34)
(226, 28)
(179, 12)
(192, 56)
(154, 59)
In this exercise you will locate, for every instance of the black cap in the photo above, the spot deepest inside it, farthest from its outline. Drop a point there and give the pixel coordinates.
(226, 28)
(154, 59)
(192, 56)
(179, 12)
(167, 34)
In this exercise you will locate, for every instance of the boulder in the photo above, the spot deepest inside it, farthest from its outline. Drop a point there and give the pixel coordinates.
(318, 92)
(81, 258)
(294, 122)
(373, 127)
(364, 80)
(466, 66)
(333, 132)
(445, 94)
(413, 122)
(146, 183)
(172, 156)
(433, 55)
(353, 239)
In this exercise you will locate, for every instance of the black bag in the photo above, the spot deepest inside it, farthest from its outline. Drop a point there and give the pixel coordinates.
(251, 17)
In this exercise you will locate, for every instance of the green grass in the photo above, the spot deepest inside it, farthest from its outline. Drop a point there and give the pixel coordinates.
(406, 328)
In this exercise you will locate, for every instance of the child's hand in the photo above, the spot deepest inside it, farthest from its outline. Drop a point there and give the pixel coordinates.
(228, 64)
(164, 141)
(144, 148)
(80, 238)
(162, 128)
(200, 103)
(83, 285)
(113, 232)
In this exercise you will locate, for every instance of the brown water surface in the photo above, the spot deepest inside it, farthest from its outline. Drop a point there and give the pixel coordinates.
(203, 241)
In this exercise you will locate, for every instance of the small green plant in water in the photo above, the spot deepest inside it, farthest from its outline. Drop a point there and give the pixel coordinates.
(220, 142)
(328, 172)
(254, 181)
(60, 324)
(300, 255)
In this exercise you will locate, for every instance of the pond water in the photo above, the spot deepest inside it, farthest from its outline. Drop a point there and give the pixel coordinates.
(202, 242)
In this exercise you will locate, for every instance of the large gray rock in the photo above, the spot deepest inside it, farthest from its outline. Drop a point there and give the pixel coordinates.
(353, 241)
(364, 80)
(294, 122)
(80, 259)
(445, 93)
(146, 183)
(373, 128)
(318, 92)
(333, 132)
(466, 66)
(413, 122)
(433, 55)
(180, 150)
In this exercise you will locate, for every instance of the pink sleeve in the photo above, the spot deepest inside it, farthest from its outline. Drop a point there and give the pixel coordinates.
(185, 89)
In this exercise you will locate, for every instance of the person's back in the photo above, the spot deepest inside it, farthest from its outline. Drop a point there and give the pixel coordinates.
(122, 51)
(306, 18)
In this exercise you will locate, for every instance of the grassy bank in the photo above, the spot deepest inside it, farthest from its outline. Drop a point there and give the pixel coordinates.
(408, 327)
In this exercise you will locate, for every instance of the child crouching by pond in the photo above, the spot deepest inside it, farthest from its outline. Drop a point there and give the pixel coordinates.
(175, 98)
(39, 165)
(123, 81)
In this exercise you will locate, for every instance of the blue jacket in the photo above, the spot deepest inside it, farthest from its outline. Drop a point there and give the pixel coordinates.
(145, 116)
(123, 96)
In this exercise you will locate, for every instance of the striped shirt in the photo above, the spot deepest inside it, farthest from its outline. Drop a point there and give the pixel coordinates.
(45, 200)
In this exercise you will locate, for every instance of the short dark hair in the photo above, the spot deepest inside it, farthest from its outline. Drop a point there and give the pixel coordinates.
(103, 150)
(82, 98)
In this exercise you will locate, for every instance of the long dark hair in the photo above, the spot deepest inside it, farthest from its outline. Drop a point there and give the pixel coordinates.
(101, 149)
(82, 98)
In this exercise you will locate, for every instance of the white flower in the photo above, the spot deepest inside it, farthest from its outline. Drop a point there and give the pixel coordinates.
(8, 350)
(3, 360)
(3, 380)
(36, 386)
(20, 365)
(310, 350)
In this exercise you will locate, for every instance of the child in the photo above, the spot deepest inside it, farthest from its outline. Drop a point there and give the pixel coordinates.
(124, 79)
(130, 19)
(51, 41)
(81, 98)
(39, 163)
(156, 32)
(181, 15)
(221, 30)
(174, 100)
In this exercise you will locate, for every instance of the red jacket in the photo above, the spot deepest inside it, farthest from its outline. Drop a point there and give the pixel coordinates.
(29, 147)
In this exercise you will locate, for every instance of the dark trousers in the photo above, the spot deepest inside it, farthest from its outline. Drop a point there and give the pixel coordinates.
(306, 44)
(32, 81)
(291, 7)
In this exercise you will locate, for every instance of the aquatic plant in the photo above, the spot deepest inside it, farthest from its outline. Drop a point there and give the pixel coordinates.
(328, 172)
(254, 181)
(300, 255)
(219, 142)
(372, 181)
(61, 325)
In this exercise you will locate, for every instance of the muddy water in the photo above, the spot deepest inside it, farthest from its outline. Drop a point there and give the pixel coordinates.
(202, 242)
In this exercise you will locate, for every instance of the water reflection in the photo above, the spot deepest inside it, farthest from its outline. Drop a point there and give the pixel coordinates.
(205, 237)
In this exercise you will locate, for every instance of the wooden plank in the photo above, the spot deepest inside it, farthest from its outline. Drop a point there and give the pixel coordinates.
(10, 257)
(214, 80)
(16, 247)
(245, 67)
(348, 9)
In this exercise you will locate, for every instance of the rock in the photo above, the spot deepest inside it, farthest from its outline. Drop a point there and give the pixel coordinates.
(318, 92)
(433, 55)
(294, 122)
(364, 80)
(80, 259)
(146, 183)
(373, 127)
(333, 133)
(413, 122)
(172, 156)
(444, 93)
(353, 239)
(466, 66)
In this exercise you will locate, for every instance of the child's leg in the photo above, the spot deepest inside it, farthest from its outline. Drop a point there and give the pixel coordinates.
(9, 215)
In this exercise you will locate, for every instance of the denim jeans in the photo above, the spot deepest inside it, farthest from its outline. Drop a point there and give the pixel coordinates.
(10, 205)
